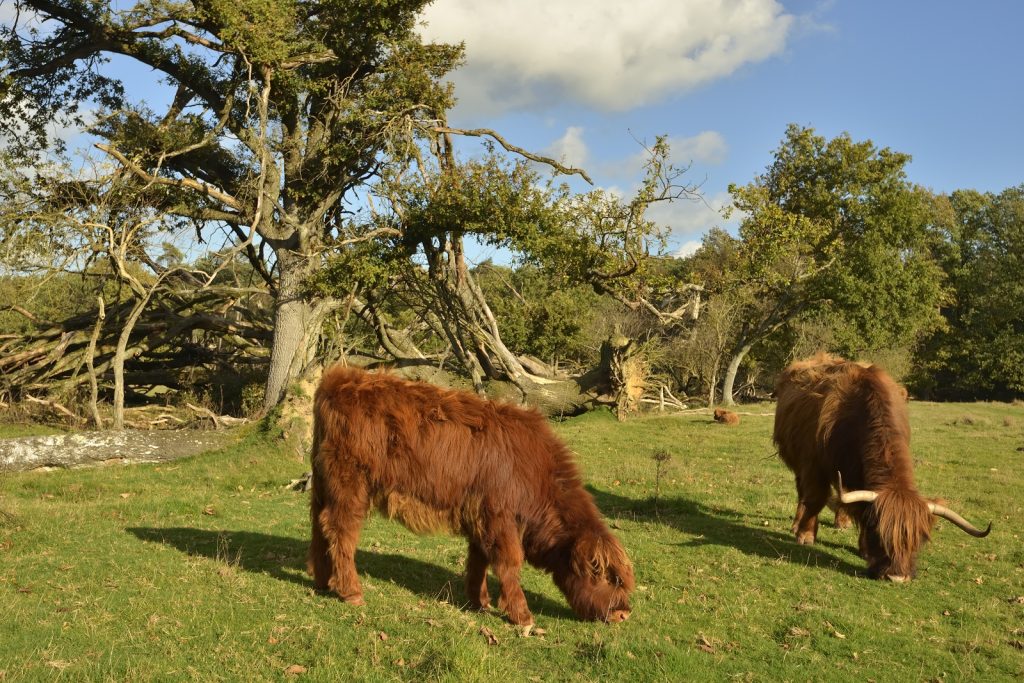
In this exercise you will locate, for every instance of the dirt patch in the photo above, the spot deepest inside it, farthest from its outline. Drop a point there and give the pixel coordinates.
(84, 449)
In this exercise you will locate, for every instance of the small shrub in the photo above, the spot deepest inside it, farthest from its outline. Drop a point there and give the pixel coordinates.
(661, 458)
(970, 421)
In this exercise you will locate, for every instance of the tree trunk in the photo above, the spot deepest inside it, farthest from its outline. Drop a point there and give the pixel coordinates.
(730, 373)
(121, 355)
(554, 398)
(90, 357)
(296, 328)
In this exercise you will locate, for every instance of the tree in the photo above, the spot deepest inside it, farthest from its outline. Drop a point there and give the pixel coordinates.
(426, 212)
(553, 321)
(54, 224)
(979, 353)
(279, 113)
(833, 225)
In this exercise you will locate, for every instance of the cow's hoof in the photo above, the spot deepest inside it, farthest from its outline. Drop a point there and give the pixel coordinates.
(806, 538)
(356, 600)
(520, 620)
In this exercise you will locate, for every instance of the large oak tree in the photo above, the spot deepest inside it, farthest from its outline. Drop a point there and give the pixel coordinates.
(277, 112)
(832, 226)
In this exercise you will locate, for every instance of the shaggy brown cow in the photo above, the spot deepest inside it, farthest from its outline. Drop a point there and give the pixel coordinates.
(844, 423)
(440, 460)
(726, 417)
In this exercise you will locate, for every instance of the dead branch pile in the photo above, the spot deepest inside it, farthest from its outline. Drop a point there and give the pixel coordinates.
(179, 334)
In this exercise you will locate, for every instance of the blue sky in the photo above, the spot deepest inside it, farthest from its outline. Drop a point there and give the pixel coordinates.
(583, 80)
(939, 80)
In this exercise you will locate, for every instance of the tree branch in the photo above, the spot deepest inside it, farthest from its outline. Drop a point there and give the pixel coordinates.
(486, 132)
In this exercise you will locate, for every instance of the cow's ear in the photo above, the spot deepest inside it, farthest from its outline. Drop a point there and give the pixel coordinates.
(589, 556)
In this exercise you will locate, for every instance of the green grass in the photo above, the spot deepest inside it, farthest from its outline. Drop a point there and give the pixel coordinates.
(13, 430)
(194, 570)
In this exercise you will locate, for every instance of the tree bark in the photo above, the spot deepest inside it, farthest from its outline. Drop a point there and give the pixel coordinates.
(90, 355)
(730, 373)
(120, 355)
(297, 322)
(291, 347)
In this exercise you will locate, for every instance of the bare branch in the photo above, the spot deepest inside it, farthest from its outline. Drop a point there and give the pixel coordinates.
(486, 132)
(187, 183)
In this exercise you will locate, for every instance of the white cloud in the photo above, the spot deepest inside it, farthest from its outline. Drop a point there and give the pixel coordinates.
(687, 248)
(707, 147)
(690, 219)
(68, 133)
(604, 53)
(570, 149)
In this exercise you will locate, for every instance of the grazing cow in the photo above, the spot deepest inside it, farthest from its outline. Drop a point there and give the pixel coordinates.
(843, 423)
(440, 460)
(726, 417)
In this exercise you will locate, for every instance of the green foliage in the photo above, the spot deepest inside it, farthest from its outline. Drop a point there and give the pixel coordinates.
(262, 30)
(281, 113)
(832, 228)
(980, 351)
(202, 574)
(538, 317)
(48, 299)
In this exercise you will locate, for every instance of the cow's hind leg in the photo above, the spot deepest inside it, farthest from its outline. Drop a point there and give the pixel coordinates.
(800, 507)
(505, 553)
(318, 562)
(476, 577)
(339, 513)
(843, 519)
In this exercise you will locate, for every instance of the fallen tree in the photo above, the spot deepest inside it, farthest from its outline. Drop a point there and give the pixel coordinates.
(180, 339)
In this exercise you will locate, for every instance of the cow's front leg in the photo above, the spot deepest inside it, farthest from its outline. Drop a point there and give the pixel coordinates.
(843, 519)
(506, 556)
(476, 577)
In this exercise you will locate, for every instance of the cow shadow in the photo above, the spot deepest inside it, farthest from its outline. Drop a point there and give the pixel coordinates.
(705, 525)
(284, 558)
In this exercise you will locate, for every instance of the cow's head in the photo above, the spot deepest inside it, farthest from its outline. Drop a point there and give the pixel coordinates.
(597, 577)
(896, 525)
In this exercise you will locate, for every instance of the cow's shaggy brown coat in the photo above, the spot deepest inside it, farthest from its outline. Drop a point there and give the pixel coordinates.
(836, 416)
(440, 460)
(726, 416)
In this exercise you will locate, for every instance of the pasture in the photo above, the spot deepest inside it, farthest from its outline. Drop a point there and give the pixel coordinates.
(195, 570)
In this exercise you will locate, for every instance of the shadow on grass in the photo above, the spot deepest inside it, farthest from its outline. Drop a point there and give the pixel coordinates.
(706, 525)
(284, 558)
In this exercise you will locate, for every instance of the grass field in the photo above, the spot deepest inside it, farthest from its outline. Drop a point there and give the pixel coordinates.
(195, 570)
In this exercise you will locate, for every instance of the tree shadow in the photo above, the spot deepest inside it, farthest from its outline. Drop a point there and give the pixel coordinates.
(284, 558)
(719, 526)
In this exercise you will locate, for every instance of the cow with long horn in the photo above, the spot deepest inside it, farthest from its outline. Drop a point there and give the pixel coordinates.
(844, 423)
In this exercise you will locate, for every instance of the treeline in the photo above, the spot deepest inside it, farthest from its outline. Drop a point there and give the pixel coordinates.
(836, 251)
(299, 196)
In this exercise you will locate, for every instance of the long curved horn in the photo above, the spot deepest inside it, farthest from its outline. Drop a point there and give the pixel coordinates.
(946, 513)
(860, 496)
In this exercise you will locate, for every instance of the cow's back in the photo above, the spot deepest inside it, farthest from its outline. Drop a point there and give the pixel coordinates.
(443, 448)
(800, 392)
(835, 415)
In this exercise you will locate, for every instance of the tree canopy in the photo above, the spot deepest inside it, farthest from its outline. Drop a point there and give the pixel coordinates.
(832, 225)
(979, 352)
(276, 114)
